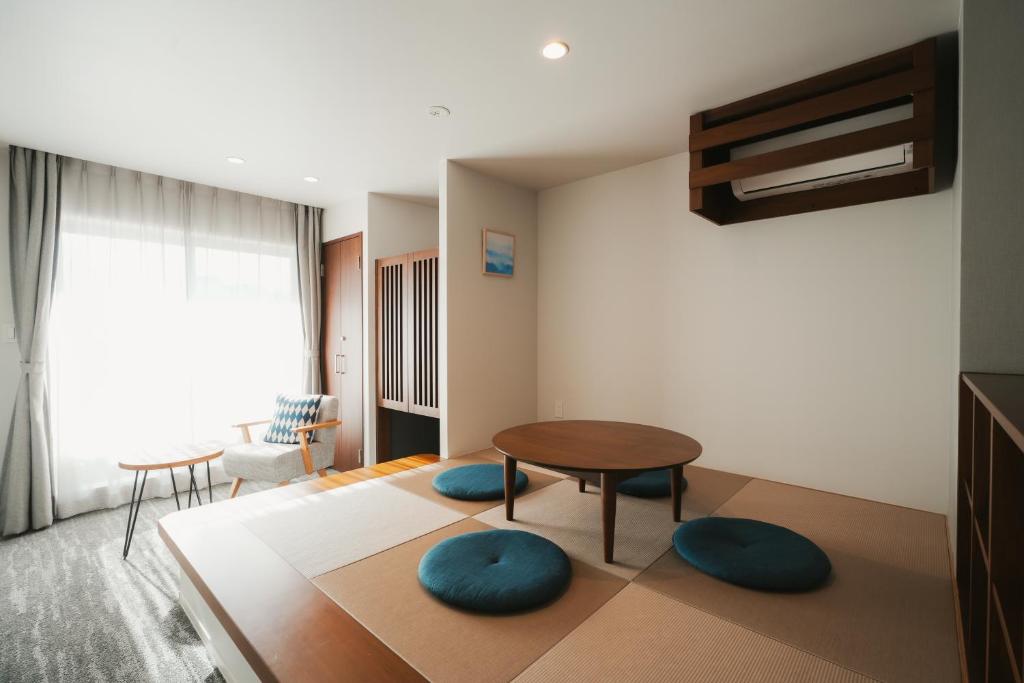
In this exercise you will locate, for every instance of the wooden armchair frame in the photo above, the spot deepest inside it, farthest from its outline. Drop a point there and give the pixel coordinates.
(303, 432)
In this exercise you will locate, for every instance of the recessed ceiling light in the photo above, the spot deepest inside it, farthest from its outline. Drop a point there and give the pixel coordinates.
(235, 160)
(555, 50)
(438, 112)
(311, 179)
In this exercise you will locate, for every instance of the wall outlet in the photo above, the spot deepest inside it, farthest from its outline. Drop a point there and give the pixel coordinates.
(559, 408)
(10, 334)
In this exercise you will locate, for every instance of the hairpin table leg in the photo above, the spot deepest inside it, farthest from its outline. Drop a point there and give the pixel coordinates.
(133, 512)
(175, 487)
(192, 485)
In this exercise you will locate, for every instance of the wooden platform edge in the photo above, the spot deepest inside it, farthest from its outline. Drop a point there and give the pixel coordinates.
(281, 623)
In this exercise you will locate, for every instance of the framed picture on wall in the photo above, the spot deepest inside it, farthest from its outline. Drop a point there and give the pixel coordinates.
(498, 254)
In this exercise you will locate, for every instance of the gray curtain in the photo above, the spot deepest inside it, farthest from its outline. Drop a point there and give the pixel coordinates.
(26, 477)
(307, 244)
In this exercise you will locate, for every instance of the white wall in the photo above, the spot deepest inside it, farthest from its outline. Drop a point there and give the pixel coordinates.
(812, 349)
(954, 380)
(394, 226)
(390, 226)
(398, 226)
(9, 372)
(344, 218)
(992, 159)
(488, 341)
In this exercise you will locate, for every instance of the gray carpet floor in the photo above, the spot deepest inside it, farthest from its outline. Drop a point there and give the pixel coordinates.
(72, 610)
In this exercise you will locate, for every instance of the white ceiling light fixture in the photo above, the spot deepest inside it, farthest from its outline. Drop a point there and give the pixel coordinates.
(555, 50)
(235, 160)
(438, 112)
(311, 179)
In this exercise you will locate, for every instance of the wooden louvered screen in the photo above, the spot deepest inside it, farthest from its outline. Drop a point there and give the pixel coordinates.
(423, 334)
(407, 333)
(391, 332)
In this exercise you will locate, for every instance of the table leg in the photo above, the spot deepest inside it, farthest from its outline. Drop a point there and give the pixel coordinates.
(676, 478)
(133, 507)
(174, 485)
(510, 486)
(583, 485)
(609, 486)
(193, 485)
(209, 486)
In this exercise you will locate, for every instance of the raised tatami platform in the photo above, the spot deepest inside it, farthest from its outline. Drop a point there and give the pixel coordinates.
(887, 613)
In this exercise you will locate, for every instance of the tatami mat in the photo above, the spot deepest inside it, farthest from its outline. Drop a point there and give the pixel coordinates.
(560, 513)
(643, 526)
(447, 644)
(493, 455)
(640, 635)
(707, 490)
(912, 539)
(318, 533)
(420, 481)
(886, 614)
(888, 609)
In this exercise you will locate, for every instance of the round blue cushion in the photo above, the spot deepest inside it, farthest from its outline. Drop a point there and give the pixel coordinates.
(754, 554)
(476, 482)
(653, 484)
(495, 571)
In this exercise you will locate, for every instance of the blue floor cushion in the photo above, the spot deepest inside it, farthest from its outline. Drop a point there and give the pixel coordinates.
(653, 484)
(754, 554)
(476, 482)
(495, 571)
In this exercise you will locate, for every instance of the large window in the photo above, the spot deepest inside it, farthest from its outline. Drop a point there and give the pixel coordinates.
(175, 314)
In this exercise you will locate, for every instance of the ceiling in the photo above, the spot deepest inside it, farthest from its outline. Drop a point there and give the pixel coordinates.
(339, 89)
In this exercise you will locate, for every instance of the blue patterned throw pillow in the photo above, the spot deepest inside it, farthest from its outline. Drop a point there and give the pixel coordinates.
(291, 412)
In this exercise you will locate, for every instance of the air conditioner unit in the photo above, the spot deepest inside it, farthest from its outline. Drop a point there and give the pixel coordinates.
(880, 162)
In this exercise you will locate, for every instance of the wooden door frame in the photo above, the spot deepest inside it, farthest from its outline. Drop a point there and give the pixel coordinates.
(336, 240)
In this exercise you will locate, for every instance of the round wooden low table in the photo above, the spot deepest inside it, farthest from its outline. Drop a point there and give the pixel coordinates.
(167, 459)
(614, 450)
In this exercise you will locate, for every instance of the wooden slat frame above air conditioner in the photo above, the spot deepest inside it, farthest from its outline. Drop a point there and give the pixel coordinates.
(904, 76)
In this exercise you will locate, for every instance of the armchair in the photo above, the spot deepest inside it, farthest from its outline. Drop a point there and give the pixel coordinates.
(282, 462)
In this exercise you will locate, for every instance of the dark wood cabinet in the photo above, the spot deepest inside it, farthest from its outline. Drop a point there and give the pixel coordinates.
(990, 525)
(341, 344)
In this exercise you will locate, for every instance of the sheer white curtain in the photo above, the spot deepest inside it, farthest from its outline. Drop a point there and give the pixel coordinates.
(175, 315)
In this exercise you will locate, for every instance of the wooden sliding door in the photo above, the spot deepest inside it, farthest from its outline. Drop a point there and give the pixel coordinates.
(423, 334)
(341, 344)
(407, 333)
(391, 332)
